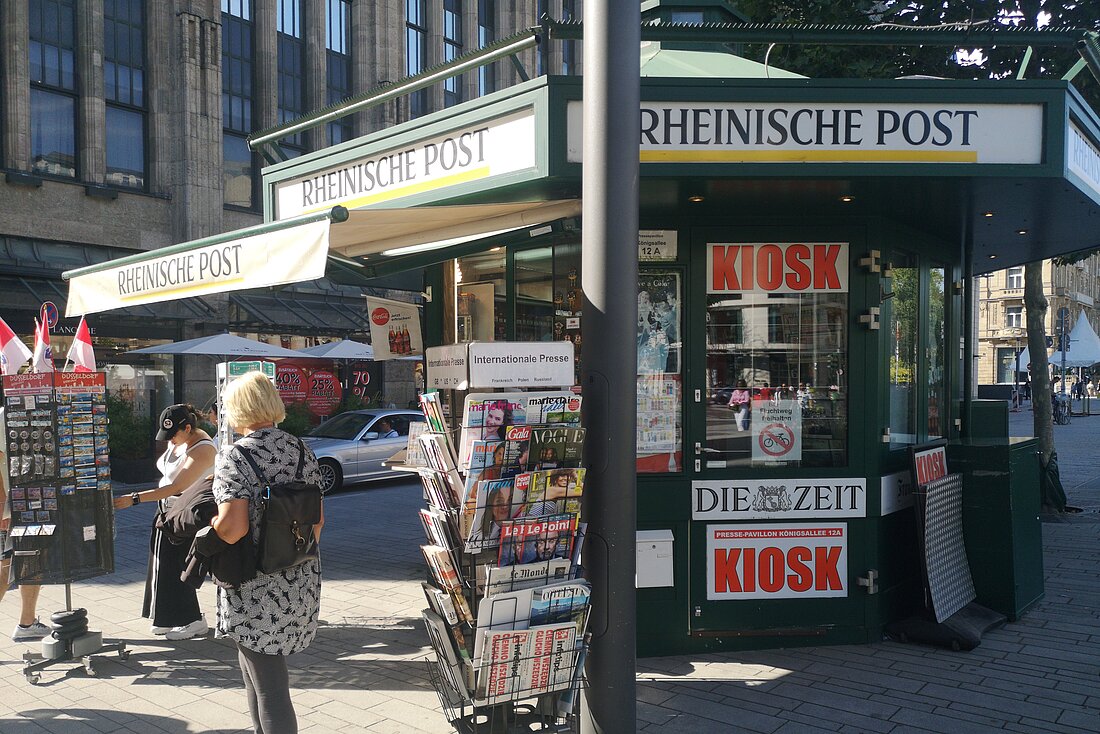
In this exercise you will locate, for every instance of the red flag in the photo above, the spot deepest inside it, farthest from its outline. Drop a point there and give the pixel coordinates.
(13, 352)
(42, 360)
(80, 353)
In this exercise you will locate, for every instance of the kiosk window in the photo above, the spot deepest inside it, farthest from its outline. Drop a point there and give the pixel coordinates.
(660, 383)
(901, 341)
(777, 354)
(935, 353)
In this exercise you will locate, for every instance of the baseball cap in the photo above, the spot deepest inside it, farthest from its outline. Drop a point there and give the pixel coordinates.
(173, 418)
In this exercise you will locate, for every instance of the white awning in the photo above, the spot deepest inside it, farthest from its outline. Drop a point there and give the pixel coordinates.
(290, 251)
(389, 232)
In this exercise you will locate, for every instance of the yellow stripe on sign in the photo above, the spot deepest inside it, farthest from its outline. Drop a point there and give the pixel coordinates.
(181, 291)
(436, 183)
(809, 156)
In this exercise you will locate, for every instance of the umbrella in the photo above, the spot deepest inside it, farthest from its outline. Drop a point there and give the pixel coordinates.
(220, 345)
(344, 350)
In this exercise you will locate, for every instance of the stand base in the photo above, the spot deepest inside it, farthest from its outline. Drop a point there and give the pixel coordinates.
(963, 630)
(81, 651)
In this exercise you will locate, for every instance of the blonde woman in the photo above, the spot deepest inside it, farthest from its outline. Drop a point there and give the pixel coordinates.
(273, 615)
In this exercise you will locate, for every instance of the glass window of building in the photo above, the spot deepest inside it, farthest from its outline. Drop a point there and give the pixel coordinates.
(660, 372)
(481, 297)
(291, 79)
(237, 36)
(416, 51)
(777, 357)
(486, 34)
(569, 48)
(936, 353)
(452, 49)
(124, 91)
(1014, 317)
(338, 64)
(1006, 365)
(542, 51)
(1014, 278)
(53, 87)
(902, 324)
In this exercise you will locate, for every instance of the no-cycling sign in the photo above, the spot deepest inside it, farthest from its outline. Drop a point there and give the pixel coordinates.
(777, 431)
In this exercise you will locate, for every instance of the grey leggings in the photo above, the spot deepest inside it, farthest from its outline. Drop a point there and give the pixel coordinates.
(267, 683)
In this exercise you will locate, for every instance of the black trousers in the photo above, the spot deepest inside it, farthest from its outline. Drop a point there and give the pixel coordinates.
(267, 684)
(168, 601)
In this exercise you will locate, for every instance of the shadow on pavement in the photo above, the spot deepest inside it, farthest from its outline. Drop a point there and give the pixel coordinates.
(73, 720)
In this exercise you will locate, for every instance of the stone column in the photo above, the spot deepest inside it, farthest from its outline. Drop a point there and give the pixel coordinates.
(434, 55)
(91, 129)
(377, 56)
(15, 104)
(265, 67)
(315, 67)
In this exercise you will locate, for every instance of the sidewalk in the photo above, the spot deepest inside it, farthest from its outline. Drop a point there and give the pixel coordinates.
(365, 672)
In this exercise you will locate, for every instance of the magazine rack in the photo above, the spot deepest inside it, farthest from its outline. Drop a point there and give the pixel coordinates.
(507, 605)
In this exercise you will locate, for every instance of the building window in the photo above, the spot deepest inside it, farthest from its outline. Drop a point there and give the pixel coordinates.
(542, 51)
(53, 87)
(452, 49)
(291, 51)
(237, 35)
(124, 91)
(1014, 278)
(1006, 366)
(338, 64)
(1014, 317)
(416, 51)
(486, 34)
(569, 48)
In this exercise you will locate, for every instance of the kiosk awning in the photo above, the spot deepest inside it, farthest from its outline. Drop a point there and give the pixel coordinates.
(294, 250)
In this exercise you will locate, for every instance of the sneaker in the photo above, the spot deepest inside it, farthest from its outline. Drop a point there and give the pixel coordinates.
(198, 628)
(34, 631)
(154, 630)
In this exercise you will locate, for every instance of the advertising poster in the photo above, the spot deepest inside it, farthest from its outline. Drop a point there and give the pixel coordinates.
(394, 329)
(658, 323)
(291, 382)
(779, 561)
(323, 393)
(776, 431)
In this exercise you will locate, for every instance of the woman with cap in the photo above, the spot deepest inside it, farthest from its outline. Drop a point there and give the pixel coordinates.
(172, 605)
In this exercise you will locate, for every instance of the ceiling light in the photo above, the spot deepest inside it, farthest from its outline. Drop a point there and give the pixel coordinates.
(1021, 231)
(992, 257)
(695, 199)
(847, 198)
(987, 214)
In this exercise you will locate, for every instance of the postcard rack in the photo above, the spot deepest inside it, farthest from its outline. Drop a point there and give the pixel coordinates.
(507, 603)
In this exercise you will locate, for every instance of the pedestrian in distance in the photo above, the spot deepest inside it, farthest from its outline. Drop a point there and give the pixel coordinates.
(274, 614)
(739, 401)
(28, 629)
(172, 605)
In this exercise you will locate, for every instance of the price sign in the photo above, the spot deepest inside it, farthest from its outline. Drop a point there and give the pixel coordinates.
(323, 392)
(291, 382)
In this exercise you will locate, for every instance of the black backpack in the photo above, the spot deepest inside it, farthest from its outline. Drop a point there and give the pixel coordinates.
(288, 512)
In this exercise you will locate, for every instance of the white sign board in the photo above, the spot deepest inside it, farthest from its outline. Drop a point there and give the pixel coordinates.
(275, 258)
(1083, 159)
(777, 561)
(447, 367)
(394, 328)
(656, 245)
(777, 267)
(896, 492)
(521, 364)
(776, 431)
(482, 151)
(778, 499)
(831, 132)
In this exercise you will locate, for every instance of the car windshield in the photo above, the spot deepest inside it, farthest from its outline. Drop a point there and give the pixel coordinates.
(345, 426)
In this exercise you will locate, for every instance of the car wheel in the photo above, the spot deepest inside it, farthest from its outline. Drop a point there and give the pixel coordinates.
(331, 476)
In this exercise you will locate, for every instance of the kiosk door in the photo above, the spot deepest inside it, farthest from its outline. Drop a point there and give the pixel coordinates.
(779, 531)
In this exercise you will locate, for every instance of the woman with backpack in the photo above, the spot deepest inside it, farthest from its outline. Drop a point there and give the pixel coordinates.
(274, 614)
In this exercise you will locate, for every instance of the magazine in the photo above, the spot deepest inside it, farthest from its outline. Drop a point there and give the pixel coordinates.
(456, 670)
(528, 540)
(527, 448)
(486, 462)
(566, 601)
(414, 454)
(446, 576)
(495, 579)
(517, 664)
(552, 491)
(438, 452)
(485, 415)
(433, 412)
(496, 501)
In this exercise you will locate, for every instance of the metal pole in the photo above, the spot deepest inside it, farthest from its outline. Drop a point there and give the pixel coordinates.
(1016, 380)
(609, 362)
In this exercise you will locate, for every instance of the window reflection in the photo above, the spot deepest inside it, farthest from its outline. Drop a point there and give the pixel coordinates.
(901, 339)
(935, 353)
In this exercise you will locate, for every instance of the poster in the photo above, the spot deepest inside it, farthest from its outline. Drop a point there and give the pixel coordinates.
(776, 431)
(658, 323)
(777, 561)
(394, 328)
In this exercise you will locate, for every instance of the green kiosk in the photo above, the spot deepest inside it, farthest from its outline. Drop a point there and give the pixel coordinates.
(804, 313)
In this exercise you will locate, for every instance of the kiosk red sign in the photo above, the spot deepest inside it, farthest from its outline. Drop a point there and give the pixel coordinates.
(324, 392)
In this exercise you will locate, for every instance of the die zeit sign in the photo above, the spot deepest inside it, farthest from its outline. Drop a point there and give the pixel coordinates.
(776, 561)
(778, 267)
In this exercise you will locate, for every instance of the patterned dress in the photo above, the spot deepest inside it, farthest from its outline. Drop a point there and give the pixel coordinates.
(276, 613)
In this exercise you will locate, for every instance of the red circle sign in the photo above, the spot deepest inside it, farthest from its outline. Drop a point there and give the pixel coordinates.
(291, 382)
(323, 392)
(776, 439)
(380, 316)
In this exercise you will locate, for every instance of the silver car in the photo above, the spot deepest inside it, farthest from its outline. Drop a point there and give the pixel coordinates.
(352, 446)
